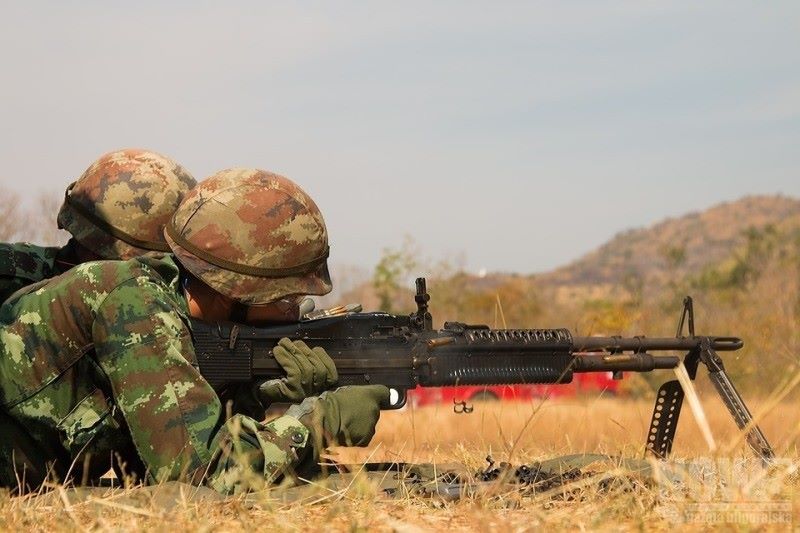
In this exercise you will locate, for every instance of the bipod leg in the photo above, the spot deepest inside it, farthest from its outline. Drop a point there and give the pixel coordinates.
(667, 410)
(664, 421)
(735, 404)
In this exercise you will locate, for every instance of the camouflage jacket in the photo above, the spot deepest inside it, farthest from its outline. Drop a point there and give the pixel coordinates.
(97, 365)
(22, 264)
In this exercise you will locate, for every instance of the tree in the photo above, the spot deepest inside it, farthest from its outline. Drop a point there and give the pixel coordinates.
(391, 273)
(12, 217)
(36, 225)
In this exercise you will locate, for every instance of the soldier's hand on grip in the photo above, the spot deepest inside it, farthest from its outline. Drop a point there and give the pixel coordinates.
(308, 373)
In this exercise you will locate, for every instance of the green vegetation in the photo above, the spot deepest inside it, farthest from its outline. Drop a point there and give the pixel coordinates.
(392, 270)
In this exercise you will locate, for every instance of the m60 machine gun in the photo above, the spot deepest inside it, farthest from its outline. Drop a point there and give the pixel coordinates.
(404, 351)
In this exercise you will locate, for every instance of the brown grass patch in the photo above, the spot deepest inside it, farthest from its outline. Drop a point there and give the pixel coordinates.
(516, 432)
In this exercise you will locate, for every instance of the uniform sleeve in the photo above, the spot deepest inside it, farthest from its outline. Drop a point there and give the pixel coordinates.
(9, 286)
(175, 419)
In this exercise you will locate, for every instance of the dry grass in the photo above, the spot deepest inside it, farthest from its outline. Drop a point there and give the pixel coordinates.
(517, 432)
(551, 427)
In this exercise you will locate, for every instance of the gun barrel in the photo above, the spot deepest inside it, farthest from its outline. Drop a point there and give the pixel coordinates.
(645, 344)
(635, 362)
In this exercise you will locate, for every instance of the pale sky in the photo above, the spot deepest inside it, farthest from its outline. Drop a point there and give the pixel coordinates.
(520, 135)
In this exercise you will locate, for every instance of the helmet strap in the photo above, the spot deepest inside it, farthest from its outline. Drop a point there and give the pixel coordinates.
(247, 270)
(239, 312)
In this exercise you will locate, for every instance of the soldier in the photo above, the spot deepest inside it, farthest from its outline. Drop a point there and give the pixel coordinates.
(116, 210)
(97, 365)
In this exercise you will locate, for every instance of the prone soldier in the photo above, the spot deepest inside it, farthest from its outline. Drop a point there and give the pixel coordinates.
(97, 365)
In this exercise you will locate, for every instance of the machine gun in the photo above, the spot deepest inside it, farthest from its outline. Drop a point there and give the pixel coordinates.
(404, 351)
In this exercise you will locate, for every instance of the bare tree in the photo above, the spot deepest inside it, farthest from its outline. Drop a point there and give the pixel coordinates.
(37, 225)
(13, 219)
(44, 226)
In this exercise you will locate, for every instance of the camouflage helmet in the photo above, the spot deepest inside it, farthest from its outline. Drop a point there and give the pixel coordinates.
(253, 236)
(119, 206)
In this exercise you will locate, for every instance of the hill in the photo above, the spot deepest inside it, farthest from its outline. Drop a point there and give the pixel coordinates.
(677, 248)
(714, 247)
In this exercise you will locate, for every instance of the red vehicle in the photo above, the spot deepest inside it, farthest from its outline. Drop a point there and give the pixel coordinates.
(593, 383)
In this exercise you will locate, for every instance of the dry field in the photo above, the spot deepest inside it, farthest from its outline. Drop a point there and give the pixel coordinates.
(514, 432)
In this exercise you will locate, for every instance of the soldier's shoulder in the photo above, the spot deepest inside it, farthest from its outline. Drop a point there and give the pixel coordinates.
(27, 261)
(161, 266)
(86, 287)
(156, 268)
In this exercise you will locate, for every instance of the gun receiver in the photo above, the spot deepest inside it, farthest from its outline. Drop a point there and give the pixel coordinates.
(403, 352)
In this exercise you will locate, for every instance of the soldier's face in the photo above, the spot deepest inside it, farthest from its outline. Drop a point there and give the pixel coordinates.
(284, 310)
(207, 304)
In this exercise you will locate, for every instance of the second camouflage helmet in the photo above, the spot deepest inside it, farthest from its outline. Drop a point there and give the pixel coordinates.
(118, 208)
(253, 236)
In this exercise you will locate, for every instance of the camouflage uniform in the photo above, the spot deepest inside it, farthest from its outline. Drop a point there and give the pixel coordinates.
(97, 366)
(23, 263)
(117, 209)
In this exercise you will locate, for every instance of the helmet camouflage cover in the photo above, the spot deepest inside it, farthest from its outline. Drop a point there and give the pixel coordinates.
(118, 208)
(252, 235)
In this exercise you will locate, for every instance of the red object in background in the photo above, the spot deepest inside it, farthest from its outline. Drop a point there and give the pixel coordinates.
(593, 383)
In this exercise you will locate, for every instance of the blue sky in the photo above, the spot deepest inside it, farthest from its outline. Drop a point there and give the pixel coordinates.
(520, 135)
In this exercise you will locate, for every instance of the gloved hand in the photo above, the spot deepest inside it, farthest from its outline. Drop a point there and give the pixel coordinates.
(308, 372)
(345, 416)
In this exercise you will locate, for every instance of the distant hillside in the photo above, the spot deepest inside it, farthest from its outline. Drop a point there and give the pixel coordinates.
(715, 248)
(675, 248)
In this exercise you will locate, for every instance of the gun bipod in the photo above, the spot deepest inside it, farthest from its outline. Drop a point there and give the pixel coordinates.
(669, 399)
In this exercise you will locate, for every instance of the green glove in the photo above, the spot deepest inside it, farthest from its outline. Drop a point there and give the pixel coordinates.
(308, 372)
(345, 416)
